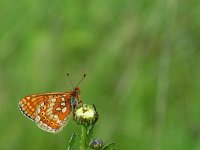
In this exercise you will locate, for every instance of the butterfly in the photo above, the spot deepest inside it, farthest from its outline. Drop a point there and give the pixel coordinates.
(51, 111)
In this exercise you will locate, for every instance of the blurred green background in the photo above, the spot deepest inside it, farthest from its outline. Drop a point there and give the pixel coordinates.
(142, 60)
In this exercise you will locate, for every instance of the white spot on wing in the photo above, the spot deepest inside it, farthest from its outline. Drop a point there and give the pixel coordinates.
(62, 98)
(50, 109)
(53, 100)
(49, 113)
(40, 123)
(51, 104)
(37, 118)
(58, 108)
(64, 109)
(58, 121)
(44, 125)
(63, 104)
(51, 116)
(55, 116)
(38, 110)
(49, 129)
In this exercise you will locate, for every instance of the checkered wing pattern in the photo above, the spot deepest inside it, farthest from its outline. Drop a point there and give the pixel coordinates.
(50, 111)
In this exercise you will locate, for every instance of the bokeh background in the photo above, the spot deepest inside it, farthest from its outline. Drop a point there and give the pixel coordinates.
(142, 60)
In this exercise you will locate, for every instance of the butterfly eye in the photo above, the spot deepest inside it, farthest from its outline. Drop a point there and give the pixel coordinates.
(77, 92)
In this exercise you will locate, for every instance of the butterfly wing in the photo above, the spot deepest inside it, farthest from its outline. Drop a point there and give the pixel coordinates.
(50, 111)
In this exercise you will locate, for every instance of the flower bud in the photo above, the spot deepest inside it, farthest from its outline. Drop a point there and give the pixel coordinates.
(97, 144)
(86, 115)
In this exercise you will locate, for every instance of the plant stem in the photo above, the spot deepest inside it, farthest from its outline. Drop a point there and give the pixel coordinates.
(71, 141)
(84, 138)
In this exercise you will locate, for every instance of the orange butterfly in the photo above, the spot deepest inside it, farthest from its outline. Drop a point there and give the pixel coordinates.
(51, 111)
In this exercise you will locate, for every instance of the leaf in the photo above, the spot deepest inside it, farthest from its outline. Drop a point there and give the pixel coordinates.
(71, 141)
(109, 146)
(89, 133)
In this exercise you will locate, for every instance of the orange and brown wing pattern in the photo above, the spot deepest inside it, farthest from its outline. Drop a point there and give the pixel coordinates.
(29, 104)
(50, 111)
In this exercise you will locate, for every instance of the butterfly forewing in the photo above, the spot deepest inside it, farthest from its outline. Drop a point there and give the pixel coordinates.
(50, 110)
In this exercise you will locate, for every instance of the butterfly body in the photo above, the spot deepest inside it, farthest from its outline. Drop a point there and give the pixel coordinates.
(51, 111)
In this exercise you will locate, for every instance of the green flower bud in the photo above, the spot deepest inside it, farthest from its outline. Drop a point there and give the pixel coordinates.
(86, 115)
(97, 144)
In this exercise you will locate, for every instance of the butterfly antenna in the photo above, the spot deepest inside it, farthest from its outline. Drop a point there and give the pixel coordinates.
(70, 80)
(81, 80)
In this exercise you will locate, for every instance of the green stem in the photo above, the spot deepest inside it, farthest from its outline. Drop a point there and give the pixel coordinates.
(84, 138)
(71, 141)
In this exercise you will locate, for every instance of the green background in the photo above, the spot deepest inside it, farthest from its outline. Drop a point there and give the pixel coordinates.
(142, 60)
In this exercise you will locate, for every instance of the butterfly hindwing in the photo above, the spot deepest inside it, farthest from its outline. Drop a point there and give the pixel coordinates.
(50, 111)
(29, 104)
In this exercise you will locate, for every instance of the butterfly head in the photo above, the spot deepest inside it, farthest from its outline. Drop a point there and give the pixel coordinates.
(76, 100)
(77, 91)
